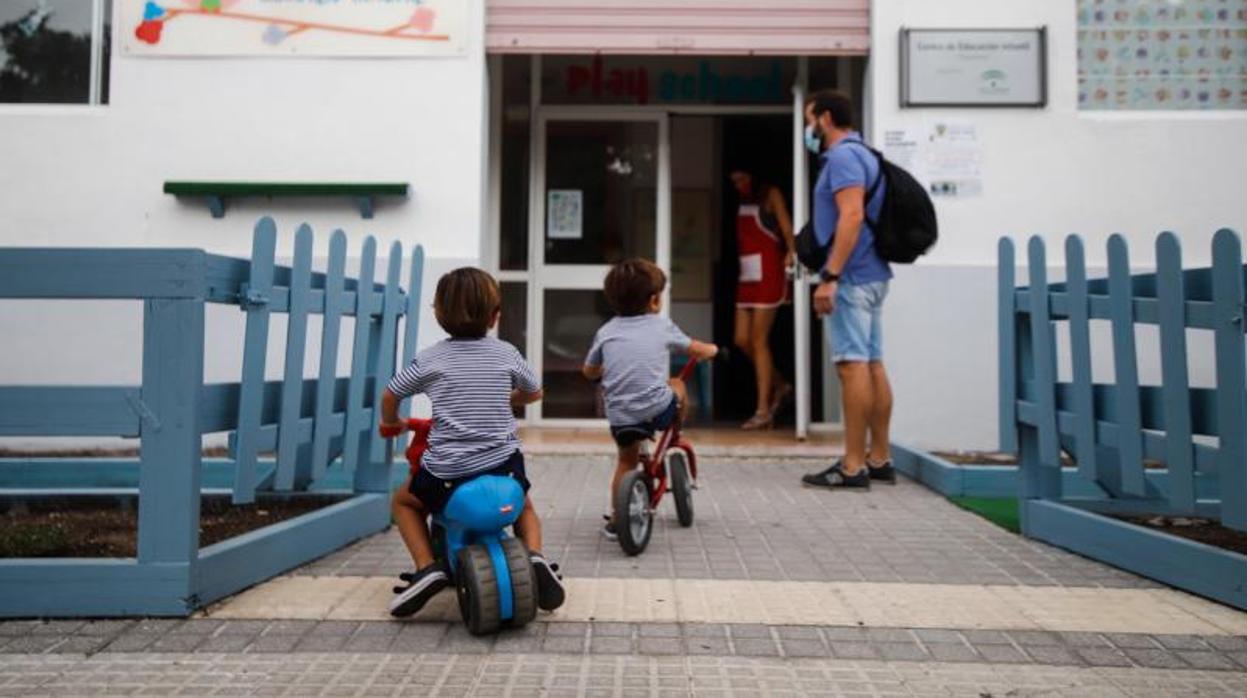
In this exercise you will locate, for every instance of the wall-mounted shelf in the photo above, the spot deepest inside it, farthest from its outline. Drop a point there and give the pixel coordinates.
(216, 193)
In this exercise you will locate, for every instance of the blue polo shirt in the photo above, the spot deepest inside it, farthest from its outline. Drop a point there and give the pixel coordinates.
(850, 164)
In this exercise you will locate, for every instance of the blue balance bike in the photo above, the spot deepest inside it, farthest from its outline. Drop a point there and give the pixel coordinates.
(492, 572)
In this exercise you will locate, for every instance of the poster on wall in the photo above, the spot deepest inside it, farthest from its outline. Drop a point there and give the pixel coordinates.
(292, 27)
(565, 214)
(973, 68)
(945, 157)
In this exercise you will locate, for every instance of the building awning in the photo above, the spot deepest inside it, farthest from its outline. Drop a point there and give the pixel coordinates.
(703, 27)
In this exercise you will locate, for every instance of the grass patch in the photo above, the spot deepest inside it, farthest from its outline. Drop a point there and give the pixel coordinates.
(1002, 511)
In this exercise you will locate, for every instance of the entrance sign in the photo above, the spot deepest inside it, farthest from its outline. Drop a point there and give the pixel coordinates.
(292, 27)
(974, 68)
(565, 214)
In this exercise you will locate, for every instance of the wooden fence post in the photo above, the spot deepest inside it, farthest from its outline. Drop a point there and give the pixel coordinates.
(255, 300)
(1126, 365)
(1175, 378)
(1228, 312)
(288, 450)
(1080, 358)
(170, 450)
(322, 430)
(356, 421)
(1006, 331)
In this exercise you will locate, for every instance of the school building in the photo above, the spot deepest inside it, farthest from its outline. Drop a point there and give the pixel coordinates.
(546, 139)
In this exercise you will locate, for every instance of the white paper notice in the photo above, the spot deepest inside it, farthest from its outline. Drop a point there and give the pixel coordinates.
(565, 214)
(750, 268)
(952, 161)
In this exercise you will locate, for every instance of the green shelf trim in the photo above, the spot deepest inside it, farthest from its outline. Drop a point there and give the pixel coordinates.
(216, 193)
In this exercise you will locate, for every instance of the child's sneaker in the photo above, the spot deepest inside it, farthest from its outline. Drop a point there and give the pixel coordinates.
(882, 471)
(550, 592)
(835, 478)
(422, 586)
(608, 529)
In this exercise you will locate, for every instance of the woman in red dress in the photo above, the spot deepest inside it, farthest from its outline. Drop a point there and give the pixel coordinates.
(767, 250)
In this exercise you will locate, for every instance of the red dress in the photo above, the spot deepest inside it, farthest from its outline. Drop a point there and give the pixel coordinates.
(762, 282)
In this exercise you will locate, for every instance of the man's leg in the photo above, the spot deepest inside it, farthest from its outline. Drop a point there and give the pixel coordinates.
(859, 407)
(880, 415)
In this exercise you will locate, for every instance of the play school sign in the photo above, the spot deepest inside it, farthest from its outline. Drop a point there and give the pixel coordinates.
(710, 81)
(292, 27)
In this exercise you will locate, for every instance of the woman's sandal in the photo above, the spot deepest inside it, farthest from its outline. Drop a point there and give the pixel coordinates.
(783, 395)
(759, 421)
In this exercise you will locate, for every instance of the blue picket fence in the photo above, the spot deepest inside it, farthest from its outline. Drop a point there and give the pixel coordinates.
(1168, 449)
(307, 424)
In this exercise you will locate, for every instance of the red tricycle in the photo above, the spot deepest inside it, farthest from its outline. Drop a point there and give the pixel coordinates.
(641, 490)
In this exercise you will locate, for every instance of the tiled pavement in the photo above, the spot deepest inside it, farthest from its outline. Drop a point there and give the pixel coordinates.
(755, 521)
(936, 577)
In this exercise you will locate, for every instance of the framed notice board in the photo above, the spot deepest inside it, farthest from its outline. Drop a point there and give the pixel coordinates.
(974, 67)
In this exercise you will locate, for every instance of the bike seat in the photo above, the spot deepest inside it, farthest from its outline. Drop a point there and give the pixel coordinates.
(626, 436)
(488, 503)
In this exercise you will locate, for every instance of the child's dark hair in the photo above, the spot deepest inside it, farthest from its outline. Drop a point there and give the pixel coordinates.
(631, 283)
(838, 103)
(466, 301)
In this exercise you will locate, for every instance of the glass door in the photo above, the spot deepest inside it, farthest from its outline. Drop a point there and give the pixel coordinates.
(600, 193)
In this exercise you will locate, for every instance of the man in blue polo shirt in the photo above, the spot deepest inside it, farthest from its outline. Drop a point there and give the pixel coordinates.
(849, 193)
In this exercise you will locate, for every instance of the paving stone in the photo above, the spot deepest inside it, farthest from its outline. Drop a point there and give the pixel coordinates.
(804, 648)
(56, 627)
(749, 630)
(1001, 654)
(1084, 639)
(902, 651)
(755, 647)
(714, 646)
(334, 628)
(1238, 656)
(273, 643)
(568, 630)
(242, 627)
(711, 630)
(987, 637)
(948, 652)
(564, 643)
(1102, 656)
(845, 634)
(854, 650)
(889, 635)
(1155, 658)
(932, 635)
(1035, 638)
(1132, 640)
(668, 646)
(610, 645)
(32, 644)
(103, 627)
(612, 630)
(320, 643)
(1205, 660)
(289, 627)
(82, 644)
(1227, 642)
(658, 630)
(369, 643)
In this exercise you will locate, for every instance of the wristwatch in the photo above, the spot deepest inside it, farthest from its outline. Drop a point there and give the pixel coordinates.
(826, 276)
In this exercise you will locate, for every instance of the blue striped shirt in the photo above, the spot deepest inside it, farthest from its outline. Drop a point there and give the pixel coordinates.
(469, 382)
(635, 355)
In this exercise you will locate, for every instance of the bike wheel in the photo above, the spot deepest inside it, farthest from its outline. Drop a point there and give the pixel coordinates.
(476, 585)
(523, 582)
(681, 486)
(634, 521)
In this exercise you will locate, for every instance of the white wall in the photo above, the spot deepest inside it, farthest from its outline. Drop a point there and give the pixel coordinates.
(79, 176)
(1048, 171)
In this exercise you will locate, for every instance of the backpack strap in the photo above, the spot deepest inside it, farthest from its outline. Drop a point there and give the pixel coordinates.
(874, 188)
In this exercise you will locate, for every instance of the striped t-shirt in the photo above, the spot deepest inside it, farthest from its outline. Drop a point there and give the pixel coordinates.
(635, 355)
(469, 381)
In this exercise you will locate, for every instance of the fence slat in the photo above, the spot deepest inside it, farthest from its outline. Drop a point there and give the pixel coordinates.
(1006, 330)
(1228, 301)
(255, 346)
(288, 450)
(411, 328)
(1126, 365)
(1080, 358)
(359, 355)
(1043, 345)
(330, 334)
(1175, 381)
(382, 449)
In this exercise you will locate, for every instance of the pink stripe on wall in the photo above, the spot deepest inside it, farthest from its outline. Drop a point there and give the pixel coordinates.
(775, 27)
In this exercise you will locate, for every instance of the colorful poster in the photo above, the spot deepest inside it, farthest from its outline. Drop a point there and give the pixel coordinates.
(1159, 54)
(292, 27)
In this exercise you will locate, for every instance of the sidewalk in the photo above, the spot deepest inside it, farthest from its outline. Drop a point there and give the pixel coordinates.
(775, 590)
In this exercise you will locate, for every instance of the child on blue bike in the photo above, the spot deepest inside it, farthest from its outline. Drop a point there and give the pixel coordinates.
(474, 381)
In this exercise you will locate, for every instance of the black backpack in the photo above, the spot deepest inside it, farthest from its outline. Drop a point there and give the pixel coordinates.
(905, 230)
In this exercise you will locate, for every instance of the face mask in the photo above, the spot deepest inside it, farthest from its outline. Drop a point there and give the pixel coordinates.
(812, 142)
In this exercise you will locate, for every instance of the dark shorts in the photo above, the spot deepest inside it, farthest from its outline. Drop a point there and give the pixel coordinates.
(433, 492)
(629, 434)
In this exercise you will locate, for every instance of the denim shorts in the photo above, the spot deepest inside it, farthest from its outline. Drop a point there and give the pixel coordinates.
(855, 327)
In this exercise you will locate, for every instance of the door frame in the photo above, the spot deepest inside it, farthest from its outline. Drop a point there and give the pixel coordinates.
(590, 276)
(542, 276)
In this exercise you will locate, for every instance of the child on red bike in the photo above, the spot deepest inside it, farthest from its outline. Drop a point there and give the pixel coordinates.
(631, 354)
(473, 381)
